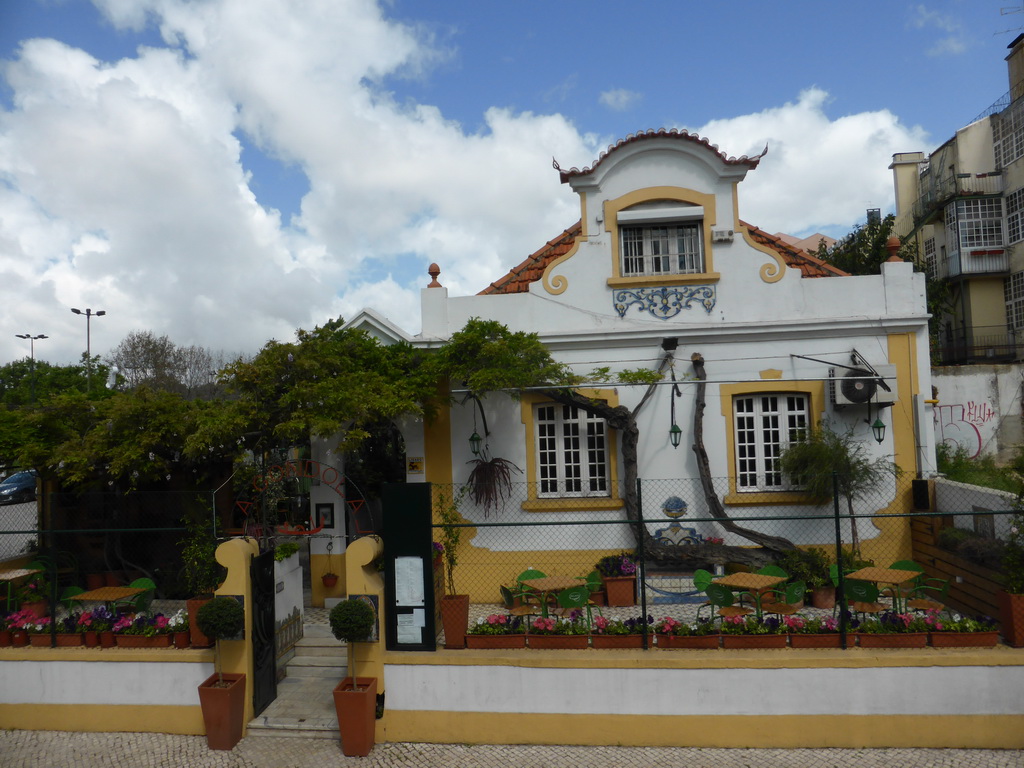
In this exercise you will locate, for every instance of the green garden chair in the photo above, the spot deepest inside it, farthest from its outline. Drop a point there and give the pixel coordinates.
(141, 601)
(863, 598)
(577, 598)
(68, 595)
(723, 598)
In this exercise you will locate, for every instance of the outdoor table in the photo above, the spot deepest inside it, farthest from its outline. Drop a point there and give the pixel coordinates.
(753, 584)
(109, 595)
(547, 586)
(894, 576)
(11, 576)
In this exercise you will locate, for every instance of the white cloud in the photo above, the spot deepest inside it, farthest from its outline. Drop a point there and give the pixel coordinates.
(619, 99)
(819, 174)
(953, 44)
(122, 185)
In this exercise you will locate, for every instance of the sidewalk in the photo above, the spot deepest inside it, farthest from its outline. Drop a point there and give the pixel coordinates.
(30, 749)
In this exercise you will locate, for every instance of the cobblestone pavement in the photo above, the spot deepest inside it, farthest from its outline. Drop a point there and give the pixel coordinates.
(55, 749)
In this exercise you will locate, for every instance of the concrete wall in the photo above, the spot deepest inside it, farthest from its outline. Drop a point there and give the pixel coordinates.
(711, 698)
(979, 408)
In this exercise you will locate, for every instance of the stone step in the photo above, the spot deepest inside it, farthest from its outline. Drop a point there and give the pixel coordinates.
(317, 666)
(320, 646)
(304, 708)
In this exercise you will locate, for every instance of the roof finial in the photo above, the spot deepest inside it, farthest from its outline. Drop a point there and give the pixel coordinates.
(892, 245)
(433, 270)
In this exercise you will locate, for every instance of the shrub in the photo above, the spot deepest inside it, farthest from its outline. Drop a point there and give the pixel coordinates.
(352, 620)
(221, 619)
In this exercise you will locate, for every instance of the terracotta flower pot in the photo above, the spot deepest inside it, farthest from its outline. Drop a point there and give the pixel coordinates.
(91, 638)
(199, 640)
(893, 640)
(356, 706)
(1011, 618)
(823, 597)
(94, 581)
(69, 639)
(107, 639)
(329, 580)
(5, 638)
(619, 590)
(37, 608)
(480, 642)
(558, 642)
(753, 641)
(181, 639)
(39, 641)
(964, 639)
(19, 638)
(223, 709)
(455, 620)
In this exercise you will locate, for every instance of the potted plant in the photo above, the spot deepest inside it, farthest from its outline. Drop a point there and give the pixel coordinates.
(1011, 597)
(141, 630)
(33, 595)
(454, 608)
(5, 630)
(69, 631)
(498, 630)
(355, 698)
(618, 574)
(892, 630)
(222, 695)
(177, 626)
(817, 632)
(38, 628)
(956, 631)
(672, 633)
(811, 566)
(558, 632)
(203, 574)
(621, 633)
(752, 632)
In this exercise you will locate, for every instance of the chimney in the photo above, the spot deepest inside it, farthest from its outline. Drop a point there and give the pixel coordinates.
(1015, 67)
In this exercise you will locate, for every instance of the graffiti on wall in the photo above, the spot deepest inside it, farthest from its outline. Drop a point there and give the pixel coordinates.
(957, 426)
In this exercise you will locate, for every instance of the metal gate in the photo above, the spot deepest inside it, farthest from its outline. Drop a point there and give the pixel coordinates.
(264, 684)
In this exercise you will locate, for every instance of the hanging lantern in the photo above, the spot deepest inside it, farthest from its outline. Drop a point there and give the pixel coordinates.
(878, 430)
(474, 443)
(675, 435)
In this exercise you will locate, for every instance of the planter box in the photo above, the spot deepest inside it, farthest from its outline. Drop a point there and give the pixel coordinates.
(895, 640)
(619, 590)
(141, 641)
(39, 641)
(964, 639)
(753, 641)
(705, 642)
(480, 642)
(356, 706)
(69, 639)
(558, 642)
(825, 640)
(1011, 618)
(619, 641)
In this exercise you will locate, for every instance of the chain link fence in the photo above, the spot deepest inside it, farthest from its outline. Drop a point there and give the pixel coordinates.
(671, 528)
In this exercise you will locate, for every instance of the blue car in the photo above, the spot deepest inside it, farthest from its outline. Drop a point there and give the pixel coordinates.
(19, 487)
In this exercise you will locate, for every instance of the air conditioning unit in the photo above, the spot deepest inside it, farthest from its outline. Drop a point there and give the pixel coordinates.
(860, 386)
(722, 235)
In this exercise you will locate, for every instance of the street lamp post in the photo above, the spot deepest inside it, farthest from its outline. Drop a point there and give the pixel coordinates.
(32, 368)
(88, 342)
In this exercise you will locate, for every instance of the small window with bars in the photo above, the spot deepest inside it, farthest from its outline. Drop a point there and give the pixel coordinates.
(930, 265)
(662, 249)
(1013, 293)
(764, 425)
(1015, 216)
(980, 221)
(572, 452)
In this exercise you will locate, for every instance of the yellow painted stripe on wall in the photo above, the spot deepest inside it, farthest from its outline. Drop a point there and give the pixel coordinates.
(776, 731)
(96, 718)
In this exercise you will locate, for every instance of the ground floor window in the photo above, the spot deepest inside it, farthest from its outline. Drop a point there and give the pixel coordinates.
(571, 452)
(764, 425)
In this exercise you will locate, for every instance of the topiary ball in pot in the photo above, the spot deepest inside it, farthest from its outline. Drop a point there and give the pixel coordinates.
(222, 618)
(352, 620)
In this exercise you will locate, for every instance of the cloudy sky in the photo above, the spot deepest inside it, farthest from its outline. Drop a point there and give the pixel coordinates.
(225, 171)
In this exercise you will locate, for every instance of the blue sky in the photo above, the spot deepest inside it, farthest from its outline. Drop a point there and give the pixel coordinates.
(225, 171)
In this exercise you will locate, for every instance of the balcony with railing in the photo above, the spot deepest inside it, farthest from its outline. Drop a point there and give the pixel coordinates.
(934, 196)
(979, 344)
(974, 261)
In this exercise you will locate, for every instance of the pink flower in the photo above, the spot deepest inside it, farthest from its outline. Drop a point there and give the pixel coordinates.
(601, 623)
(831, 623)
(161, 621)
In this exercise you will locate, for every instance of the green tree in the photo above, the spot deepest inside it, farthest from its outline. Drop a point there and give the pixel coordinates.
(826, 461)
(23, 383)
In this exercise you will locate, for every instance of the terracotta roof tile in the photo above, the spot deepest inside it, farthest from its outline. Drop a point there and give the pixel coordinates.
(670, 133)
(519, 278)
(809, 266)
(532, 269)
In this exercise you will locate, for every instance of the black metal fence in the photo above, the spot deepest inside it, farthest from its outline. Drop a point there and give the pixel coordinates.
(671, 528)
